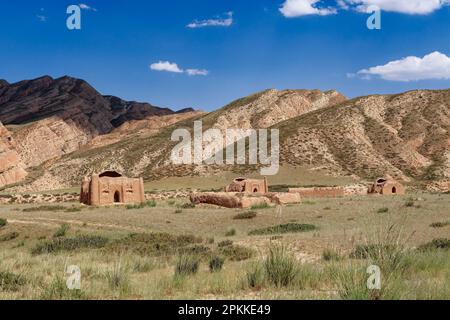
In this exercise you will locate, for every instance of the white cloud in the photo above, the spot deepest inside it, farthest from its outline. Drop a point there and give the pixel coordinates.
(41, 18)
(217, 22)
(401, 6)
(166, 66)
(173, 67)
(86, 7)
(298, 8)
(197, 72)
(432, 66)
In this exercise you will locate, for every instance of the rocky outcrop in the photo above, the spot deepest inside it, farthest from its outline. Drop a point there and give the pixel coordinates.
(11, 168)
(51, 118)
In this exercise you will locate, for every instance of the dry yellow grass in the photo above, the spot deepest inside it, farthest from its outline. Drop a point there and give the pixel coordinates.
(342, 224)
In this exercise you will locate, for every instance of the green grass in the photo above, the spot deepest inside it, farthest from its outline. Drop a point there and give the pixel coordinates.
(62, 231)
(216, 263)
(44, 208)
(436, 244)
(148, 204)
(280, 266)
(10, 281)
(69, 244)
(9, 236)
(331, 255)
(187, 265)
(260, 206)
(440, 224)
(245, 215)
(284, 228)
(230, 232)
(236, 252)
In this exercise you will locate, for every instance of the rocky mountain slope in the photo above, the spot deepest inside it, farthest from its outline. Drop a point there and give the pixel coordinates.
(12, 169)
(49, 118)
(136, 153)
(406, 136)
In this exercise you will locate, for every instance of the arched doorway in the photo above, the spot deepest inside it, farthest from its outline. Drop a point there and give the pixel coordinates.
(117, 197)
(394, 190)
(255, 190)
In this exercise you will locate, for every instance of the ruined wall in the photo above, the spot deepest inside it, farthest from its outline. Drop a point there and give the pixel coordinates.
(319, 192)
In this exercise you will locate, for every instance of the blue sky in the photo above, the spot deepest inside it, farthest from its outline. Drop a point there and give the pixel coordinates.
(309, 44)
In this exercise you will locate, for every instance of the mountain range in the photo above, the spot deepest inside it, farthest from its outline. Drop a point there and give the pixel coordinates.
(55, 131)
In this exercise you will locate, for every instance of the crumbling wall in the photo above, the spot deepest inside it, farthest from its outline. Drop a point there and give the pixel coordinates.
(319, 192)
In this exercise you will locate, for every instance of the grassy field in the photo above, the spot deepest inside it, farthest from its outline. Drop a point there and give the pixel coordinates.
(319, 249)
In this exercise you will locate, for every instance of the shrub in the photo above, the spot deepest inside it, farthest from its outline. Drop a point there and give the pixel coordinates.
(9, 236)
(57, 290)
(44, 208)
(440, 224)
(245, 215)
(155, 244)
(260, 206)
(117, 277)
(255, 276)
(284, 228)
(331, 255)
(230, 233)
(178, 211)
(11, 281)
(188, 205)
(187, 265)
(148, 204)
(280, 266)
(3, 222)
(69, 244)
(216, 263)
(73, 209)
(236, 253)
(436, 244)
(61, 232)
(383, 210)
(225, 243)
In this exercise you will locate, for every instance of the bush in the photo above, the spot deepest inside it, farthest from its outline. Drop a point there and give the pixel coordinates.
(440, 224)
(117, 277)
(216, 263)
(9, 236)
(436, 244)
(230, 233)
(61, 232)
(236, 253)
(225, 243)
(44, 208)
(187, 265)
(188, 205)
(280, 266)
(331, 255)
(57, 290)
(11, 281)
(245, 215)
(148, 204)
(69, 244)
(155, 244)
(3, 222)
(260, 206)
(383, 210)
(255, 276)
(284, 228)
